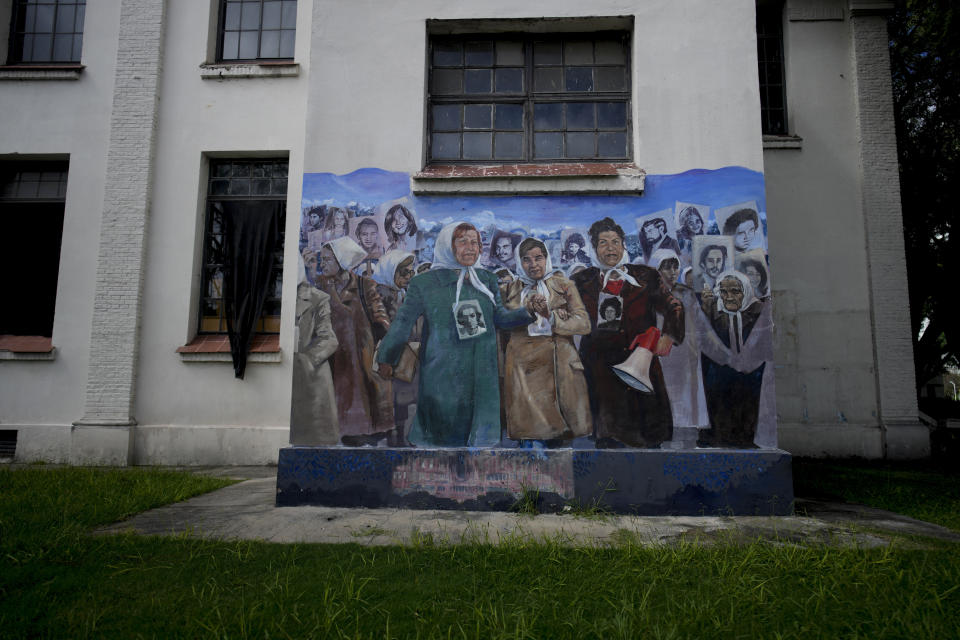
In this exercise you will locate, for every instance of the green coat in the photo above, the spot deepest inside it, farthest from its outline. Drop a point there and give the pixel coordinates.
(459, 396)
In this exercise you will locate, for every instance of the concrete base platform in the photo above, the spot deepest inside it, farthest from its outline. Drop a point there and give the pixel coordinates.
(630, 481)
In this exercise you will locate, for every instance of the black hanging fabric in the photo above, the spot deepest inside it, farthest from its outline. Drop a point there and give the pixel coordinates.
(250, 233)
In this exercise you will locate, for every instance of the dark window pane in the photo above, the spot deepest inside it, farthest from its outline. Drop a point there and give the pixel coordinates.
(287, 39)
(478, 54)
(270, 44)
(509, 80)
(289, 19)
(445, 146)
(259, 170)
(241, 169)
(548, 80)
(278, 186)
(611, 115)
(477, 116)
(611, 79)
(271, 14)
(612, 145)
(62, 48)
(578, 53)
(44, 22)
(239, 187)
(446, 54)
(610, 52)
(231, 20)
(219, 187)
(77, 45)
(477, 146)
(508, 146)
(546, 53)
(580, 145)
(510, 53)
(260, 187)
(579, 78)
(447, 81)
(580, 115)
(65, 19)
(41, 47)
(548, 145)
(221, 170)
(547, 115)
(30, 18)
(250, 17)
(27, 48)
(446, 117)
(280, 170)
(231, 42)
(509, 116)
(478, 81)
(48, 190)
(248, 44)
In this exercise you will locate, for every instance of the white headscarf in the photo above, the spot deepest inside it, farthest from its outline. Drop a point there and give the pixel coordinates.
(531, 286)
(658, 257)
(619, 268)
(349, 254)
(443, 258)
(386, 271)
(736, 316)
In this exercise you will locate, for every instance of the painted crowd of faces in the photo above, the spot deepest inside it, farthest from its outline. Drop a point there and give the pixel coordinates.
(707, 240)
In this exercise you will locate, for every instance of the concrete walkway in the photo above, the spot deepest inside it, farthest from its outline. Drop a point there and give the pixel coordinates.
(246, 511)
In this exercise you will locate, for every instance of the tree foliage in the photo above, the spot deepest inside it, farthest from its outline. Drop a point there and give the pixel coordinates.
(925, 62)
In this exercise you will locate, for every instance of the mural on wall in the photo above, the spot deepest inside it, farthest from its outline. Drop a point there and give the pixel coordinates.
(534, 321)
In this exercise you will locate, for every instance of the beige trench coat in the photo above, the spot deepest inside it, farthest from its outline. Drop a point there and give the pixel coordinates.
(544, 388)
(313, 411)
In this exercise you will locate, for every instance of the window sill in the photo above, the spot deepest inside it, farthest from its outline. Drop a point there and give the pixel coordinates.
(41, 72)
(27, 348)
(236, 70)
(607, 178)
(782, 142)
(216, 348)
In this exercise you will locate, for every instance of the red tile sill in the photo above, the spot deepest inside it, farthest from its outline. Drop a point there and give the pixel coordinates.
(26, 344)
(221, 344)
(558, 169)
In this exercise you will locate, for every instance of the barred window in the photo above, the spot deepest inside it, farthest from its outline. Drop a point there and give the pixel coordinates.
(257, 30)
(255, 181)
(45, 31)
(529, 98)
(773, 107)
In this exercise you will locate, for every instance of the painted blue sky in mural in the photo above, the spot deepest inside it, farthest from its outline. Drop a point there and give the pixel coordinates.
(368, 188)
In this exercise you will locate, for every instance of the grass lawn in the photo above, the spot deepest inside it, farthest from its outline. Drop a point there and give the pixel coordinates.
(57, 581)
(920, 490)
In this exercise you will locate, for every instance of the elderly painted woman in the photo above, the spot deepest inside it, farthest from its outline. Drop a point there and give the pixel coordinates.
(544, 387)
(364, 400)
(394, 272)
(459, 400)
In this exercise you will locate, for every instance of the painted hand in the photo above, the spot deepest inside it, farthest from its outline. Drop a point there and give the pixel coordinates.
(562, 314)
(385, 370)
(663, 346)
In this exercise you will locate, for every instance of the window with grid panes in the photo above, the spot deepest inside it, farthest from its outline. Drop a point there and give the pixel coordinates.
(253, 30)
(254, 180)
(773, 108)
(32, 197)
(514, 98)
(45, 31)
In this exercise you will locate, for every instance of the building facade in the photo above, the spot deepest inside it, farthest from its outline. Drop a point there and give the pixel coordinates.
(135, 124)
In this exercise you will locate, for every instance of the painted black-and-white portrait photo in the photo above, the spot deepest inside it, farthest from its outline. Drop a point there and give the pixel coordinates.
(470, 321)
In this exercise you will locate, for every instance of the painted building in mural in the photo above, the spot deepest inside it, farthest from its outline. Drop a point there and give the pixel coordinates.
(246, 223)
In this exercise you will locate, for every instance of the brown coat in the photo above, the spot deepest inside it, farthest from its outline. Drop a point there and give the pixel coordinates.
(544, 388)
(364, 399)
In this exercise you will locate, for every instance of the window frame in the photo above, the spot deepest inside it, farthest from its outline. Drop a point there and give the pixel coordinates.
(208, 264)
(221, 34)
(528, 97)
(15, 42)
(771, 14)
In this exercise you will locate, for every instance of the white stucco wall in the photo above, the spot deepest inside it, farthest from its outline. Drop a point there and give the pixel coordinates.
(63, 118)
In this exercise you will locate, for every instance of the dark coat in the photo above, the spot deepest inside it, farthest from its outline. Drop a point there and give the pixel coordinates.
(620, 412)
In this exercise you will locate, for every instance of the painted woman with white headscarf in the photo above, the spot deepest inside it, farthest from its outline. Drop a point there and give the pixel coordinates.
(394, 271)
(313, 409)
(364, 400)
(458, 402)
(736, 346)
(544, 388)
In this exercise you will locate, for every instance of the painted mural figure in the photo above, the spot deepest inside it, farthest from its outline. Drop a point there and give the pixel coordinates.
(742, 225)
(735, 358)
(364, 400)
(624, 416)
(545, 389)
(502, 252)
(401, 228)
(313, 417)
(458, 402)
(336, 225)
(573, 250)
(690, 224)
(681, 367)
(653, 236)
(713, 261)
(394, 272)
